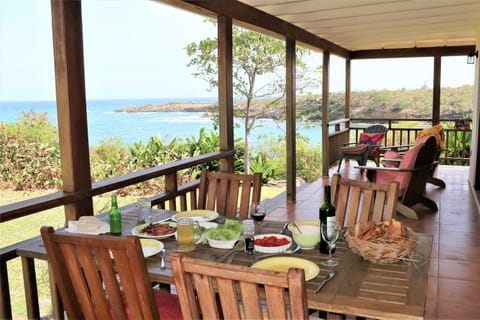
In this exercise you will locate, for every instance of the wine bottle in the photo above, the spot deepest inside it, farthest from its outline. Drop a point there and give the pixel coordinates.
(115, 218)
(326, 212)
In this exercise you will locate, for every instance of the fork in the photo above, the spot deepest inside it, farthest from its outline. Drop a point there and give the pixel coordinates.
(162, 262)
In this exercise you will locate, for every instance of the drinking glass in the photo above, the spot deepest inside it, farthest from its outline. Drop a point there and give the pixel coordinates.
(144, 213)
(330, 231)
(258, 211)
(188, 232)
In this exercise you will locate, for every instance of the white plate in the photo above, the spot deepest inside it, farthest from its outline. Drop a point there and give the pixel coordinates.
(282, 264)
(151, 247)
(136, 231)
(198, 215)
(276, 249)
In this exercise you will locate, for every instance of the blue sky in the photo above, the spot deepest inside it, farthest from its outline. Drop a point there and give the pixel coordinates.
(134, 49)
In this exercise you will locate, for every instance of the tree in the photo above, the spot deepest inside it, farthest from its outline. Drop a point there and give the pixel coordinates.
(258, 75)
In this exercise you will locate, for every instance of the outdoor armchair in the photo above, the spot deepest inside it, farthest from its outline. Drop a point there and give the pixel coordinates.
(367, 147)
(412, 174)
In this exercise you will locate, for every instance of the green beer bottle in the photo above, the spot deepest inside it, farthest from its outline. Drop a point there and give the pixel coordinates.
(115, 218)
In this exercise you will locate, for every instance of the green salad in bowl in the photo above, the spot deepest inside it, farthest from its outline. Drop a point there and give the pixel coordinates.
(225, 235)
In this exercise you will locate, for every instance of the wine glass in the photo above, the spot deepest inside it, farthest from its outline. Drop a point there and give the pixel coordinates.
(330, 231)
(258, 211)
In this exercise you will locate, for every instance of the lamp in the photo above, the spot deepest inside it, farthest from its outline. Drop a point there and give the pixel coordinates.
(471, 57)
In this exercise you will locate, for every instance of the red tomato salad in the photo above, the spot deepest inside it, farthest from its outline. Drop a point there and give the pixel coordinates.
(271, 241)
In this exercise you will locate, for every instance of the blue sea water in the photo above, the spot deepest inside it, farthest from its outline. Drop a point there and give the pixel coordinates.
(104, 122)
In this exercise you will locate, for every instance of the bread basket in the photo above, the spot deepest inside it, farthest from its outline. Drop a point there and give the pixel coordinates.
(382, 243)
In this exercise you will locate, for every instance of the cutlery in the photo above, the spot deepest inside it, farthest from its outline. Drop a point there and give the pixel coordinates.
(162, 262)
(325, 280)
(295, 225)
(284, 228)
(229, 253)
(237, 248)
(289, 251)
(166, 219)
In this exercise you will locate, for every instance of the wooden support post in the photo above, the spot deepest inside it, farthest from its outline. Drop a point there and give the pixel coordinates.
(171, 186)
(290, 104)
(437, 75)
(325, 92)
(71, 103)
(225, 91)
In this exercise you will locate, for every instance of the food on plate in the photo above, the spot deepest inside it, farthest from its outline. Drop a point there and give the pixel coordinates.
(230, 230)
(271, 241)
(158, 229)
(386, 230)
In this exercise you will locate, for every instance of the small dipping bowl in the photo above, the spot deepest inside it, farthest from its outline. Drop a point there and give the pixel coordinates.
(310, 235)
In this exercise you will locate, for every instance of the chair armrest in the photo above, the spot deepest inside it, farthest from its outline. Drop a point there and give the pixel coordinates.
(346, 144)
(369, 168)
(402, 147)
(391, 162)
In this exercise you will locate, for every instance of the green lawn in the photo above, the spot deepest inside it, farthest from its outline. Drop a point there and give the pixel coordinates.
(25, 228)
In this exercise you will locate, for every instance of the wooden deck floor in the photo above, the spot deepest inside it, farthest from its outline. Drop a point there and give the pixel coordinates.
(454, 276)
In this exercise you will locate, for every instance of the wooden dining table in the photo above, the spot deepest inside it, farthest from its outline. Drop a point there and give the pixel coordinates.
(360, 288)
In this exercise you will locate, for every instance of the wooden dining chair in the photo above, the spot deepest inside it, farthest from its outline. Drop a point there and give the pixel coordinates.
(361, 201)
(105, 277)
(229, 194)
(213, 290)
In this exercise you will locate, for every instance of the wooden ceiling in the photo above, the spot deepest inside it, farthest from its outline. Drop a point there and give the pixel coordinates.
(381, 24)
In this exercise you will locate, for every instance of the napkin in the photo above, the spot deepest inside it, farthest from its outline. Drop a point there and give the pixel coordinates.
(88, 225)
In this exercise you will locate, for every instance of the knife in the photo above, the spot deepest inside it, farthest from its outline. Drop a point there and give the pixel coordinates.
(325, 280)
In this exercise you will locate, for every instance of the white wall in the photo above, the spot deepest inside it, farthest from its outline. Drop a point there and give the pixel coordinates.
(476, 123)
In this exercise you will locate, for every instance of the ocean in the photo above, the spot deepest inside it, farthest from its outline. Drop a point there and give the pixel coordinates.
(104, 122)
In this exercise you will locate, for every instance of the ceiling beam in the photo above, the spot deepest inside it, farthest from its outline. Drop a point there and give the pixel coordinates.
(412, 52)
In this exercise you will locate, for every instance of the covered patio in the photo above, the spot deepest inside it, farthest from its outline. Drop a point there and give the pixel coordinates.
(445, 28)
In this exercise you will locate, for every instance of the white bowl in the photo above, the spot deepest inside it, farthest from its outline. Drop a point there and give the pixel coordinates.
(309, 237)
(221, 244)
(275, 249)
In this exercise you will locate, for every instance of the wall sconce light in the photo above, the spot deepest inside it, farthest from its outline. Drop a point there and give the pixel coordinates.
(471, 57)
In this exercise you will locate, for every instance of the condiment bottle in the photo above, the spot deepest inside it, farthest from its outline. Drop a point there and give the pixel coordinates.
(115, 218)
(249, 235)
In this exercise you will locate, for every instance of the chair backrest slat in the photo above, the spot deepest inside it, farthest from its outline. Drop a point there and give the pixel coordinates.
(100, 277)
(242, 292)
(362, 201)
(229, 194)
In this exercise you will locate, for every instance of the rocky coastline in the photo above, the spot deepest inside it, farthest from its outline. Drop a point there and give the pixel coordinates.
(172, 107)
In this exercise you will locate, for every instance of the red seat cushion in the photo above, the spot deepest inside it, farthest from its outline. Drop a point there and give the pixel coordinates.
(167, 305)
(371, 138)
(358, 149)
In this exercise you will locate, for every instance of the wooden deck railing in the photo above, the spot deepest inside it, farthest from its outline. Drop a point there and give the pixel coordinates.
(457, 140)
(185, 194)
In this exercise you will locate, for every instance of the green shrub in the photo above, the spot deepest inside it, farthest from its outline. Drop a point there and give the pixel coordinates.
(30, 154)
